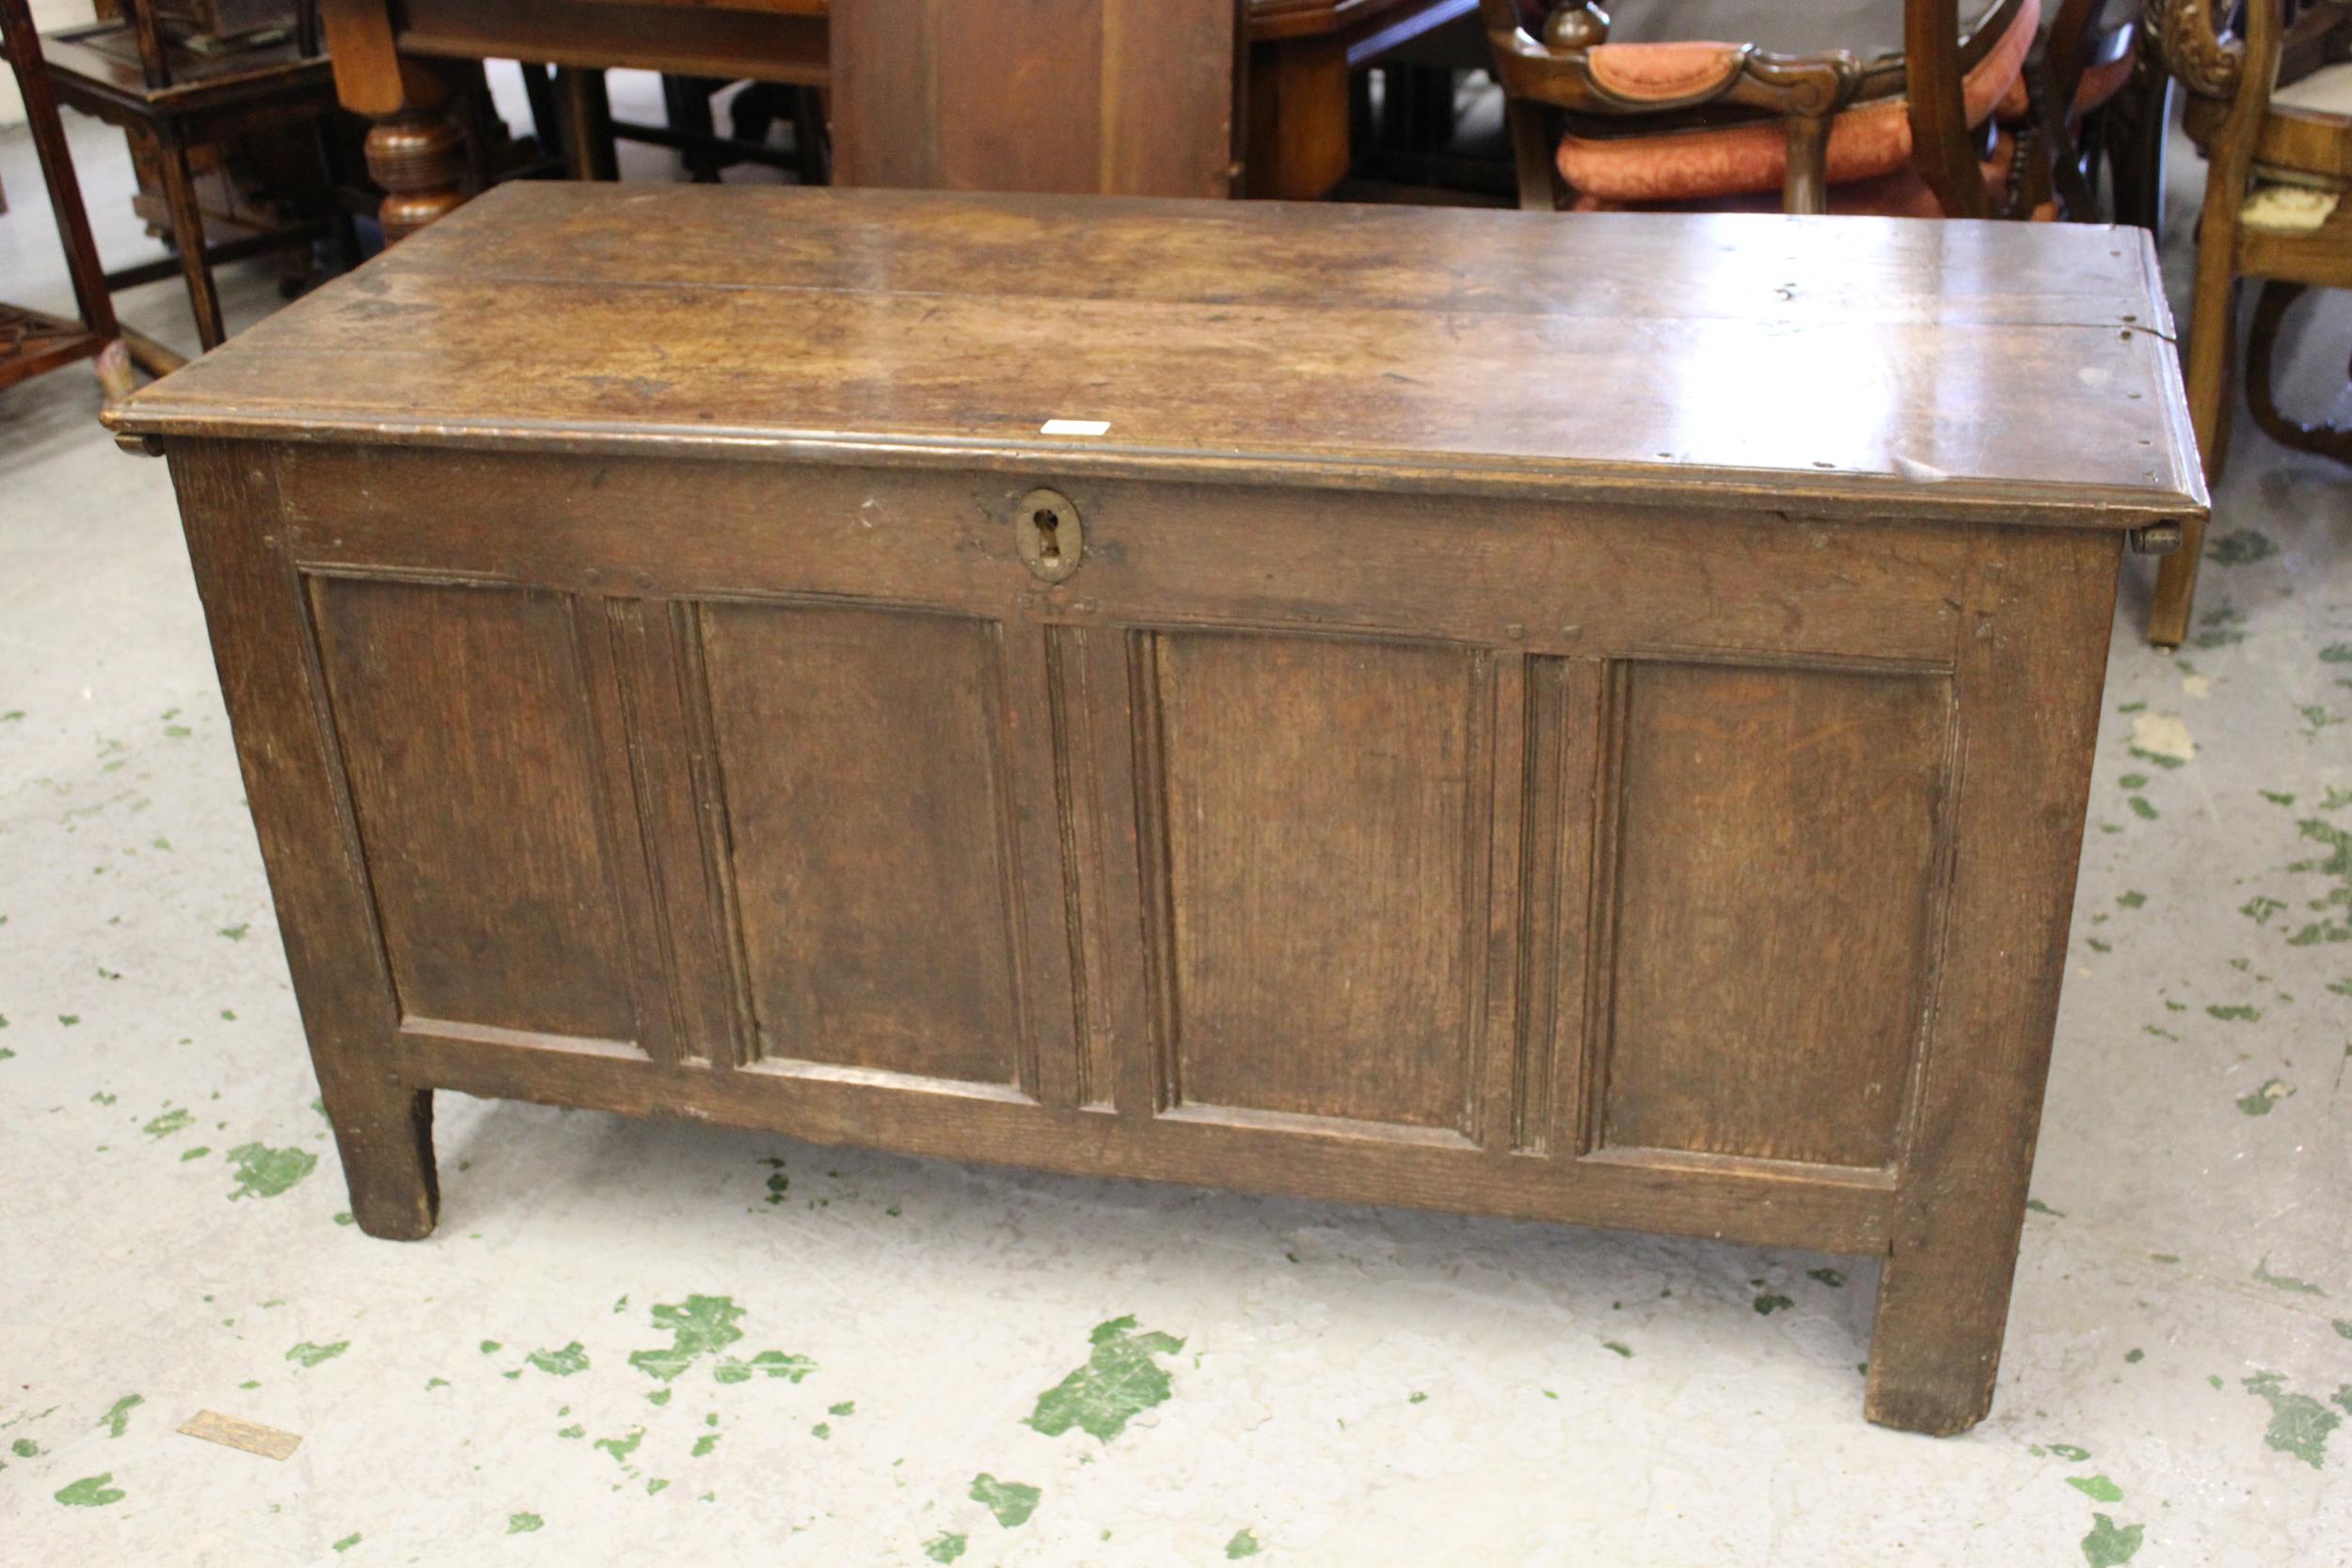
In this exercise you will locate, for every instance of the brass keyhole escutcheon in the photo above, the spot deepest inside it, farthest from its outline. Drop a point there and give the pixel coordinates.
(1051, 539)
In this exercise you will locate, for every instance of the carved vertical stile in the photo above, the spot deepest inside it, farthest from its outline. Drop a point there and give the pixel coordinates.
(1029, 736)
(1552, 854)
(1159, 940)
(1582, 1103)
(598, 630)
(1078, 802)
(710, 812)
(1501, 1042)
(995, 702)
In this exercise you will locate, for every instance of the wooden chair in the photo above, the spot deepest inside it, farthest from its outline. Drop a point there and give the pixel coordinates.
(33, 341)
(132, 73)
(2272, 108)
(1888, 107)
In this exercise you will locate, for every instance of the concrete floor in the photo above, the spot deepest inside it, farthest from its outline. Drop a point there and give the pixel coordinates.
(1343, 1384)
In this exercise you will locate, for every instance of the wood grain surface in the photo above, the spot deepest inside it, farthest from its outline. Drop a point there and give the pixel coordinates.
(1862, 365)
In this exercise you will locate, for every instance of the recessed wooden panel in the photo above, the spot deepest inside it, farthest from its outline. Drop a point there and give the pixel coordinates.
(859, 759)
(466, 736)
(1324, 845)
(1776, 855)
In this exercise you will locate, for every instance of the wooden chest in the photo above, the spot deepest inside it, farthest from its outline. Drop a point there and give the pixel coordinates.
(1578, 718)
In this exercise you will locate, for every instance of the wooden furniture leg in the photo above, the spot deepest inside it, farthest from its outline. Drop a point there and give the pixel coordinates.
(1298, 118)
(2262, 339)
(2212, 328)
(2032, 663)
(273, 688)
(416, 149)
(188, 236)
(587, 117)
(89, 275)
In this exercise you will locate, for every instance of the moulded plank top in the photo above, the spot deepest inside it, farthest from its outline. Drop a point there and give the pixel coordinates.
(2010, 372)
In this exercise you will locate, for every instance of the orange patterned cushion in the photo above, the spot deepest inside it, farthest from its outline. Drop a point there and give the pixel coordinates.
(1657, 72)
(1897, 193)
(1864, 143)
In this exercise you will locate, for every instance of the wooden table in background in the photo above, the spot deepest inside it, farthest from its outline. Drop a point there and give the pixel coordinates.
(998, 94)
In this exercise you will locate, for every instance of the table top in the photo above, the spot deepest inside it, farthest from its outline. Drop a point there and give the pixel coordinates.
(1830, 366)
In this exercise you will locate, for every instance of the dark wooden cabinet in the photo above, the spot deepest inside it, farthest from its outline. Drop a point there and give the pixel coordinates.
(1483, 745)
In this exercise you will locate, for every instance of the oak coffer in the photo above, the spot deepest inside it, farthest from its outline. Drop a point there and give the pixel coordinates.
(1583, 717)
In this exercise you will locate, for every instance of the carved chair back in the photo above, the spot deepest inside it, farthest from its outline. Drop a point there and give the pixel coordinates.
(1555, 68)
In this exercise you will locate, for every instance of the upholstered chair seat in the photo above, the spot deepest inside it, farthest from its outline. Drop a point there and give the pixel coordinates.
(1655, 52)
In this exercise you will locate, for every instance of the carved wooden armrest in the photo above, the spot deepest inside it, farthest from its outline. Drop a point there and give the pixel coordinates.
(1575, 67)
(2190, 42)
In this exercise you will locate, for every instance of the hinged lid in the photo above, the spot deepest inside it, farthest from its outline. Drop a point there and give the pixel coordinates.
(2006, 372)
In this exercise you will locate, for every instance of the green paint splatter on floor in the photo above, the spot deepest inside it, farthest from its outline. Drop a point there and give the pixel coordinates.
(822, 1431)
(90, 1492)
(170, 1122)
(2109, 1545)
(2068, 1451)
(24, 1447)
(2335, 909)
(2134, 1357)
(573, 1431)
(2261, 907)
(197, 1153)
(2142, 809)
(943, 1547)
(768, 1363)
(847, 1407)
(660, 1396)
(348, 1541)
(2261, 1099)
(2038, 1207)
(2098, 1489)
(1620, 1347)
(118, 1415)
(2235, 1013)
(433, 1383)
(1119, 1381)
(1830, 1277)
(2342, 1326)
(560, 1363)
(266, 1172)
(1244, 1544)
(2284, 1282)
(656, 1486)
(1009, 1501)
(2241, 547)
(703, 1444)
(705, 1326)
(2131, 901)
(523, 1524)
(310, 1355)
(236, 932)
(621, 1448)
(2300, 1424)
(1768, 1305)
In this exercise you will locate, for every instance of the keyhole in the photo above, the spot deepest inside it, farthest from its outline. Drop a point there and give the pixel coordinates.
(1048, 522)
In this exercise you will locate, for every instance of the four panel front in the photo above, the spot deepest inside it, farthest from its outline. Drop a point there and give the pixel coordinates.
(1466, 898)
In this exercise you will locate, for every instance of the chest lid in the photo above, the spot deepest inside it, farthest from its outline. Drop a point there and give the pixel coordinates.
(1867, 366)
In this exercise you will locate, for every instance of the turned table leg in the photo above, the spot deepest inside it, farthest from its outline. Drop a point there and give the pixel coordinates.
(416, 149)
(419, 158)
